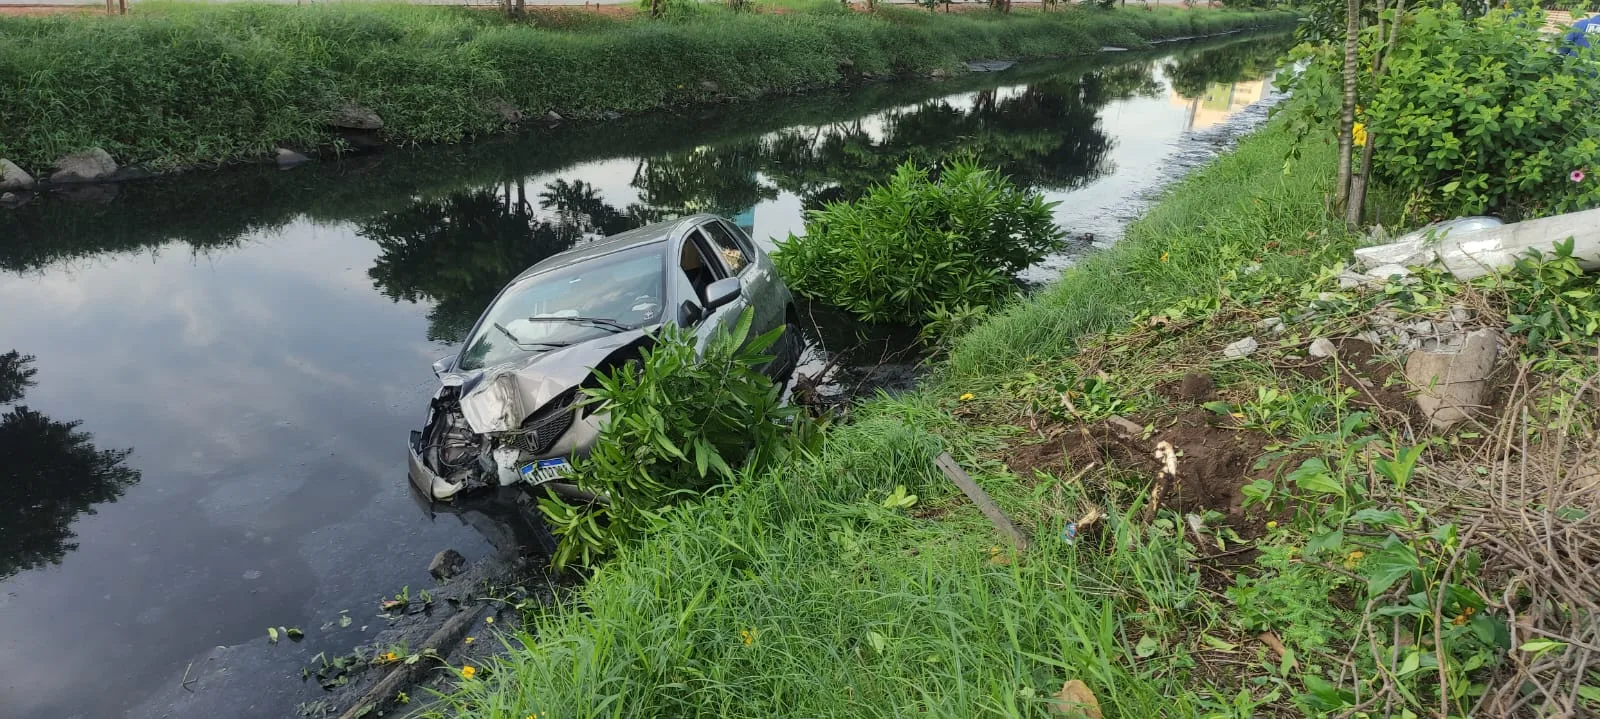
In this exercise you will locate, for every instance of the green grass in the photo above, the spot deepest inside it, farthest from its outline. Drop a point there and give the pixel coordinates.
(1219, 220)
(176, 85)
(799, 594)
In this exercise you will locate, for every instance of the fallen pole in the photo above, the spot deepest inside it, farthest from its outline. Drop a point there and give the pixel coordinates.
(947, 464)
(1480, 252)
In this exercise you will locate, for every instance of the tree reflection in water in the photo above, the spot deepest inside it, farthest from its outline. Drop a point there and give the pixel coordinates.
(52, 473)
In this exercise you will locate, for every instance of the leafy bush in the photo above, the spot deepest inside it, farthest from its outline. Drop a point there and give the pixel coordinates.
(916, 247)
(1482, 116)
(678, 425)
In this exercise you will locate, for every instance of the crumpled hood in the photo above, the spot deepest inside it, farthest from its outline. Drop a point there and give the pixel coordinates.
(507, 393)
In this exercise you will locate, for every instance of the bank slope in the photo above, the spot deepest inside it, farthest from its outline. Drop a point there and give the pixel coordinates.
(181, 85)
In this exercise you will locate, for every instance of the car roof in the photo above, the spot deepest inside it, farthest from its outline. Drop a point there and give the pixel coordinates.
(637, 237)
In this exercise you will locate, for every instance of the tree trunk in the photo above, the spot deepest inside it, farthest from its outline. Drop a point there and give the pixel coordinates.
(1380, 61)
(1347, 110)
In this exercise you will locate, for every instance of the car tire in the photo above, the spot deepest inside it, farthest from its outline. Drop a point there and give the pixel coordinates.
(789, 358)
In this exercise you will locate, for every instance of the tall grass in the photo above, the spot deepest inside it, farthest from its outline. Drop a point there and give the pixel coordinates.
(1239, 210)
(800, 595)
(183, 84)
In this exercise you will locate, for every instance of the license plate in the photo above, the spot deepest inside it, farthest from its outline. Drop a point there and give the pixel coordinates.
(544, 470)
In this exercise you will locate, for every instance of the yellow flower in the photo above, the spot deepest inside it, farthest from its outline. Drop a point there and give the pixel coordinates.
(1272, 525)
(966, 397)
(1352, 558)
(488, 620)
(748, 636)
(1163, 257)
(1358, 134)
(468, 671)
(391, 657)
(470, 640)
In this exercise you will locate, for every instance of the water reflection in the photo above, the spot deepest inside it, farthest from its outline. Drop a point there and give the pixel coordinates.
(1214, 85)
(272, 331)
(51, 474)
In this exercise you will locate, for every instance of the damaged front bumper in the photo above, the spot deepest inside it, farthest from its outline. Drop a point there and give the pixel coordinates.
(498, 458)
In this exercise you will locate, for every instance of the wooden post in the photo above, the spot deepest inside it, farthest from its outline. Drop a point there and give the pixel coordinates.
(947, 464)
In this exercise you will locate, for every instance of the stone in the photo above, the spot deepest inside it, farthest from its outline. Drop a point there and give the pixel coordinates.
(1460, 314)
(356, 117)
(1350, 280)
(710, 86)
(287, 158)
(13, 177)
(446, 564)
(1450, 385)
(92, 165)
(1271, 324)
(1321, 347)
(939, 73)
(1385, 272)
(507, 112)
(1242, 348)
(611, 115)
(1124, 426)
(553, 116)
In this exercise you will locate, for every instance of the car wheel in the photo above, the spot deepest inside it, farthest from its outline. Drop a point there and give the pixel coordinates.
(789, 358)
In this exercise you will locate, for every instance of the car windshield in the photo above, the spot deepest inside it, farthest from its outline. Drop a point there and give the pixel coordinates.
(572, 304)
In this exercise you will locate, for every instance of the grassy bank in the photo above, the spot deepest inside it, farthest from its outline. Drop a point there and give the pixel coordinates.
(803, 595)
(1322, 549)
(176, 85)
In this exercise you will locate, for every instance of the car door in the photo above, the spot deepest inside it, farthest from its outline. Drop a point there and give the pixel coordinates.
(756, 279)
(696, 242)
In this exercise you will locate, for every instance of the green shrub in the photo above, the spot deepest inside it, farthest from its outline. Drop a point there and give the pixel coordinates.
(677, 425)
(1482, 116)
(915, 247)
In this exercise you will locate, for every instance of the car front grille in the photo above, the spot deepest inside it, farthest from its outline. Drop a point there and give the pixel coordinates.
(541, 431)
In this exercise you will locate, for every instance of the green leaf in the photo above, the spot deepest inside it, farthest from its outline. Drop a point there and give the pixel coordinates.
(1378, 517)
(272, 635)
(1325, 542)
(1146, 647)
(1540, 646)
(1313, 476)
(878, 641)
(1388, 566)
(1450, 187)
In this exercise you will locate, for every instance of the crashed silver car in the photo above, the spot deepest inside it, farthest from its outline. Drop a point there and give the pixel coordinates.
(506, 411)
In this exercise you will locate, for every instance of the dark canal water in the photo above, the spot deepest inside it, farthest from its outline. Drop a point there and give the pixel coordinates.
(206, 382)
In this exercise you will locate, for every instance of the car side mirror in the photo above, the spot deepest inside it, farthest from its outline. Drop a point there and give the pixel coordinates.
(442, 365)
(722, 292)
(689, 313)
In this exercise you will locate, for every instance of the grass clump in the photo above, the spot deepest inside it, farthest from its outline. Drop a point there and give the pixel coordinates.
(175, 85)
(1241, 211)
(656, 449)
(916, 247)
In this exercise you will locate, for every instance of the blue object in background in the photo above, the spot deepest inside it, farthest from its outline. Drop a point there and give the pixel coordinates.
(1579, 36)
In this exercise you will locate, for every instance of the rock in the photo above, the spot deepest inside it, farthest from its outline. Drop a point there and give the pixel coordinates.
(1460, 314)
(1196, 387)
(939, 73)
(288, 158)
(553, 116)
(1124, 426)
(1242, 348)
(13, 178)
(9, 200)
(710, 86)
(356, 117)
(93, 165)
(1273, 325)
(507, 112)
(1451, 384)
(446, 564)
(1321, 347)
(1386, 272)
(611, 115)
(1350, 280)
(1421, 327)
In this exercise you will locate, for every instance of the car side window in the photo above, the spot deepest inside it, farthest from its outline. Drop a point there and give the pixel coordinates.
(728, 247)
(699, 269)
